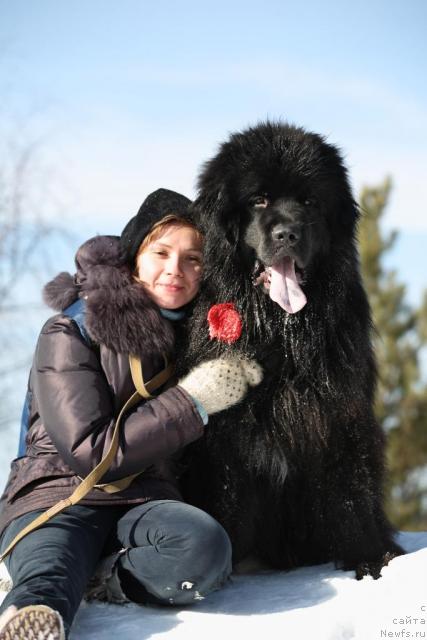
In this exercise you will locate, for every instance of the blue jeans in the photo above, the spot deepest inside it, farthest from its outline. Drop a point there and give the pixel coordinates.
(169, 546)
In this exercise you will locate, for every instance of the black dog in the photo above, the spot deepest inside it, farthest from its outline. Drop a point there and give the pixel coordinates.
(295, 472)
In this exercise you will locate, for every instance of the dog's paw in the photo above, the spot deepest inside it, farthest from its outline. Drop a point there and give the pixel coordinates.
(373, 568)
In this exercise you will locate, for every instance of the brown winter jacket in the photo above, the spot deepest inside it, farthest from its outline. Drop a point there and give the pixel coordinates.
(79, 388)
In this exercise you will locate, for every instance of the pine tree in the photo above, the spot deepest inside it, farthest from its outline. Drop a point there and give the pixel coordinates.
(401, 333)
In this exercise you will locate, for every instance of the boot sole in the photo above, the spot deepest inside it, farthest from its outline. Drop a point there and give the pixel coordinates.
(34, 622)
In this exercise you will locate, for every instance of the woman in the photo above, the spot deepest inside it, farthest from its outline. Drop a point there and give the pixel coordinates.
(153, 547)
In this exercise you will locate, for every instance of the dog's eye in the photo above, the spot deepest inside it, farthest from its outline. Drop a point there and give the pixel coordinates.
(308, 202)
(260, 201)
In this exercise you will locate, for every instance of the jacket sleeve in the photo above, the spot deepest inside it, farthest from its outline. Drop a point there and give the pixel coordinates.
(76, 408)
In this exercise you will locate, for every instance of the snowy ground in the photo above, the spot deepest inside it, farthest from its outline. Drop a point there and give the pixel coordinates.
(314, 603)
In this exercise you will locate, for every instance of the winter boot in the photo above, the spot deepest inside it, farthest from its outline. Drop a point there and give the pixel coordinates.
(105, 584)
(34, 622)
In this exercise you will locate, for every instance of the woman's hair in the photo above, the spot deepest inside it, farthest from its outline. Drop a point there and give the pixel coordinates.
(159, 228)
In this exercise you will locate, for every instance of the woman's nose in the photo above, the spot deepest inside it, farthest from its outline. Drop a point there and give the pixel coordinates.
(174, 267)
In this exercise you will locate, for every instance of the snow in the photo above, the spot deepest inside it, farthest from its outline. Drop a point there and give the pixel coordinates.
(311, 603)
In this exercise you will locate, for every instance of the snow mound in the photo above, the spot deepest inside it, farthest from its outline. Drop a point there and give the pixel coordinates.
(318, 603)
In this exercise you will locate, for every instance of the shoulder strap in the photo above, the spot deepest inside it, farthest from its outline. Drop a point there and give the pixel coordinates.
(96, 474)
(83, 489)
(145, 389)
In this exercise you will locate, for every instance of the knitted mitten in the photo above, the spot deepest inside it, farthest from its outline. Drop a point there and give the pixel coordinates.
(219, 384)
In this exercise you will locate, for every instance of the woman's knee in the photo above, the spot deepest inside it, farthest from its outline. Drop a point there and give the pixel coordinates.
(204, 542)
(209, 559)
(193, 554)
(205, 561)
(173, 525)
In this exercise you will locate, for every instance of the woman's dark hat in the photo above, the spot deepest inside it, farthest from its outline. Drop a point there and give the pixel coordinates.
(156, 206)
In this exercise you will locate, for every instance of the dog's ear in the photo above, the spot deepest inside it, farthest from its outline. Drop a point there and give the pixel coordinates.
(227, 216)
(217, 216)
(344, 211)
(350, 214)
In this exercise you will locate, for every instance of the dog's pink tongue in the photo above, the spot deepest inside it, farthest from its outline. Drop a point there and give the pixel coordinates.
(284, 288)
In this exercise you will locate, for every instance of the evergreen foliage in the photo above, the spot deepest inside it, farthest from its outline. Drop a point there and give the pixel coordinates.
(399, 337)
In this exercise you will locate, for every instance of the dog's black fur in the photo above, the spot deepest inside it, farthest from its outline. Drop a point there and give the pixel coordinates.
(295, 472)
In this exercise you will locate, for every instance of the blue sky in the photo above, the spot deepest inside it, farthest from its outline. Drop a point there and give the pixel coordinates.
(128, 96)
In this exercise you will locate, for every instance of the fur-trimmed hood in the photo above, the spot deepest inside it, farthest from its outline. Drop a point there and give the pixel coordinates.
(119, 313)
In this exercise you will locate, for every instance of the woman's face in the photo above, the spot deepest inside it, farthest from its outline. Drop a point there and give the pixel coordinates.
(170, 267)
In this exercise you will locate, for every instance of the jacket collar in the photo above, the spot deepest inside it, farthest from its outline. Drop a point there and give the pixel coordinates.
(119, 313)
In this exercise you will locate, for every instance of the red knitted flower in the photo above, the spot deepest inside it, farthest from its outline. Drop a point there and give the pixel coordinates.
(225, 323)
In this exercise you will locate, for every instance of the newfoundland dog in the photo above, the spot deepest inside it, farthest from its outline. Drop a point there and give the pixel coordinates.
(295, 472)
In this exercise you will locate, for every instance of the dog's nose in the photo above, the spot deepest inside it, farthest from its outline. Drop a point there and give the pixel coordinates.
(286, 233)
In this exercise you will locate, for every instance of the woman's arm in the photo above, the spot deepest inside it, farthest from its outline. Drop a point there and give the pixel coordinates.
(76, 408)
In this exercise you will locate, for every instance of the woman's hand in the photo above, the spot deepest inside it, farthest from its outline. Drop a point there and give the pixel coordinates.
(220, 383)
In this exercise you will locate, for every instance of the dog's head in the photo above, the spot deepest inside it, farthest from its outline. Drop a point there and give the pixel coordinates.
(278, 197)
